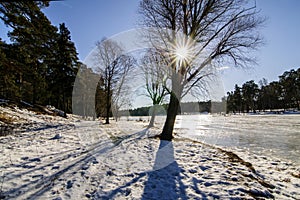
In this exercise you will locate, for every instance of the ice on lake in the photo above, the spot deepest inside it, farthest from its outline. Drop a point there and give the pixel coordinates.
(276, 135)
(269, 135)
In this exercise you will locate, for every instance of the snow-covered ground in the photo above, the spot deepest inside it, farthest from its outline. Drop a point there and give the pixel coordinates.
(57, 158)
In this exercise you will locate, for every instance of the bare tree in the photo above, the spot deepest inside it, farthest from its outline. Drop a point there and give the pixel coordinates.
(204, 33)
(153, 66)
(120, 101)
(121, 97)
(113, 66)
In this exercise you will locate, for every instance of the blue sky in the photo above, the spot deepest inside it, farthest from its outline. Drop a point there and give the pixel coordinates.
(282, 39)
(90, 21)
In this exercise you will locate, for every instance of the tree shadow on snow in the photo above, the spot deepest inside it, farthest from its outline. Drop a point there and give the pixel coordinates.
(164, 182)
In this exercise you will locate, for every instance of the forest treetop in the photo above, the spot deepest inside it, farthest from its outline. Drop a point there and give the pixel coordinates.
(282, 94)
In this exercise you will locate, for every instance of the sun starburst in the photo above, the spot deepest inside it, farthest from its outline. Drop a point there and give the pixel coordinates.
(182, 51)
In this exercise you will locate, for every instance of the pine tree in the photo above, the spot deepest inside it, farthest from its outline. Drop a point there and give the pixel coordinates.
(250, 92)
(41, 61)
(63, 70)
(33, 34)
(237, 98)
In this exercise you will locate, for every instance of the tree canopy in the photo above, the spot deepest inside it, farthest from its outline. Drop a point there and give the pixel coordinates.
(40, 64)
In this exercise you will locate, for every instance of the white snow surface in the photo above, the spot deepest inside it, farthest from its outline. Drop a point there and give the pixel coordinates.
(123, 160)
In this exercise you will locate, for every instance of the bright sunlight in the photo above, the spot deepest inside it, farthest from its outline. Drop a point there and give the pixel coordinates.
(183, 51)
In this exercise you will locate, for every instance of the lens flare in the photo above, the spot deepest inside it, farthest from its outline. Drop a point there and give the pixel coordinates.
(182, 51)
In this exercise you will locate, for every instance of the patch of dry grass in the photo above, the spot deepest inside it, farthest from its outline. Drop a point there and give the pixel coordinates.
(6, 122)
(6, 119)
(296, 174)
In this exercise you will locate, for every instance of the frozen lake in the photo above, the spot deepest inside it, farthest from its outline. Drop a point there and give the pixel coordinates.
(275, 135)
(268, 135)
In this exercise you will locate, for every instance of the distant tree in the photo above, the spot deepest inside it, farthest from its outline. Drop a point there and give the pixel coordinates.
(143, 111)
(237, 98)
(224, 30)
(114, 68)
(263, 82)
(100, 100)
(230, 103)
(235, 102)
(297, 88)
(275, 95)
(250, 93)
(263, 99)
(288, 81)
(153, 66)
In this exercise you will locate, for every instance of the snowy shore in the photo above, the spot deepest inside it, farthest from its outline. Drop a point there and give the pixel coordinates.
(57, 158)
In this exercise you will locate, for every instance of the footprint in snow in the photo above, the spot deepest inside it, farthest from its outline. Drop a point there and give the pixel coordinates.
(69, 184)
(56, 137)
(38, 176)
(35, 160)
(55, 167)
(203, 168)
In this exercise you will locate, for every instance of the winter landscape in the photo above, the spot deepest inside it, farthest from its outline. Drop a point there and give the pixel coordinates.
(150, 100)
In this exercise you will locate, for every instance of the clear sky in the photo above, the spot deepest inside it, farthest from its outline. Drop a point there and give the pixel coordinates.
(90, 21)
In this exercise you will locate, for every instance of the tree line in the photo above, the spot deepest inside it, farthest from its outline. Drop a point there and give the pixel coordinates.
(282, 94)
(184, 108)
(40, 63)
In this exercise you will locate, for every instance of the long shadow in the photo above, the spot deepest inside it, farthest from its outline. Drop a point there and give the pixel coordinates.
(59, 157)
(96, 148)
(82, 160)
(45, 184)
(164, 182)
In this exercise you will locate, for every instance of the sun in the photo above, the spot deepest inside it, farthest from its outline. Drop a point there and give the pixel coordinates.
(183, 51)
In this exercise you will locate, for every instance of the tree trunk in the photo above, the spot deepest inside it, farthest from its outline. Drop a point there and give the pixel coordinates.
(167, 133)
(153, 114)
(107, 109)
(171, 117)
(108, 103)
